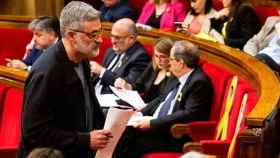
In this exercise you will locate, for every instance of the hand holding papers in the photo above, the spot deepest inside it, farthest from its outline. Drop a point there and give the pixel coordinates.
(115, 122)
(129, 96)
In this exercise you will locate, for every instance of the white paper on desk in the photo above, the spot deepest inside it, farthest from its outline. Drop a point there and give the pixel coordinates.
(116, 121)
(131, 97)
(107, 100)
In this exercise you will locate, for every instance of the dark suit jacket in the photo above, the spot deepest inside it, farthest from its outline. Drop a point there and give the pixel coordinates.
(54, 112)
(133, 64)
(120, 10)
(145, 84)
(244, 25)
(195, 104)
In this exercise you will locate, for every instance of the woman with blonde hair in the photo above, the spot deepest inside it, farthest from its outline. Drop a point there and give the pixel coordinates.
(155, 77)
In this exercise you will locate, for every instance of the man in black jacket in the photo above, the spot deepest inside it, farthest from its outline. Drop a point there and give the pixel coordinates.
(60, 110)
(189, 99)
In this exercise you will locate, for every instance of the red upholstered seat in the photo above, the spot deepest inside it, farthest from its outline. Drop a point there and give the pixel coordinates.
(13, 42)
(162, 155)
(264, 12)
(217, 4)
(3, 90)
(220, 147)
(10, 130)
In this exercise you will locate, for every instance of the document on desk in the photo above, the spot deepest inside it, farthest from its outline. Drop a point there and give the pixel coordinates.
(130, 96)
(116, 121)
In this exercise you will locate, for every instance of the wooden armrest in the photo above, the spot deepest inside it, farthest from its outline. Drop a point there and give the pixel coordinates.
(192, 146)
(178, 130)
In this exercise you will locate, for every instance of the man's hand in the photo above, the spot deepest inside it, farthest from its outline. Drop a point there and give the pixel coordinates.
(99, 139)
(122, 84)
(143, 124)
(95, 67)
(18, 64)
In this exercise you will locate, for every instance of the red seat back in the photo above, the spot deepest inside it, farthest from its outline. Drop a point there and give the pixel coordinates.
(219, 78)
(217, 4)
(10, 123)
(3, 90)
(13, 43)
(263, 12)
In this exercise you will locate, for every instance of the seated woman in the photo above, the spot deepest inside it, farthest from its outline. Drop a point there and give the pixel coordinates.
(155, 77)
(198, 18)
(45, 33)
(237, 22)
(162, 14)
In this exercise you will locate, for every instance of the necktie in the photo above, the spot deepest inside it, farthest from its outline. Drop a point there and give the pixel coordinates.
(167, 104)
(113, 66)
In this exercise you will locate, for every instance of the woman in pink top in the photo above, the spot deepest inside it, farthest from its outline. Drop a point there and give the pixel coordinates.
(198, 18)
(162, 14)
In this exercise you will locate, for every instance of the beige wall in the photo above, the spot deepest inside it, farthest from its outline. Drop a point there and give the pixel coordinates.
(31, 7)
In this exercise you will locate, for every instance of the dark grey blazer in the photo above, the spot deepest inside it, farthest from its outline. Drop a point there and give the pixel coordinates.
(195, 104)
(133, 64)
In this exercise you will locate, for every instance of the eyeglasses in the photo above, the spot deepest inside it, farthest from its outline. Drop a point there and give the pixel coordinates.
(91, 35)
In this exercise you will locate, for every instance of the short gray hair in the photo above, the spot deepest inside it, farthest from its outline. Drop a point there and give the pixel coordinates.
(186, 51)
(74, 14)
(45, 23)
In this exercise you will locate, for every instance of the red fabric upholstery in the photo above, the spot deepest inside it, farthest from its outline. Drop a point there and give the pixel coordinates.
(13, 43)
(220, 148)
(137, 5)
(264, 12)
(162, 155)
(219, 78)
(3, 90)
(217, 4)
(10, 124)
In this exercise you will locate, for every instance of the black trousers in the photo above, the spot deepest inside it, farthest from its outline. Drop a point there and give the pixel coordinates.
(135, 143)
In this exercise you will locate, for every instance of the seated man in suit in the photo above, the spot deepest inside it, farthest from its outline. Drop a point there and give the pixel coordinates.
(113, 10)
(126, 59)
(189, 99)
(45, 34)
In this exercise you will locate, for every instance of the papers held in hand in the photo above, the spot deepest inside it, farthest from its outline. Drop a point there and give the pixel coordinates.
(131, 97)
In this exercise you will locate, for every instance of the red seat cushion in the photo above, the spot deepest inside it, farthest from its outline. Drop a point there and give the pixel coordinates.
(13, 42)
(217, 4)
(219, 78)
(162, 155)
(263, 12)
(10, 123)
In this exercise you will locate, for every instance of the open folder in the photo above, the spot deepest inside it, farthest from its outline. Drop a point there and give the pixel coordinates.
(116, 121)
(131, 97)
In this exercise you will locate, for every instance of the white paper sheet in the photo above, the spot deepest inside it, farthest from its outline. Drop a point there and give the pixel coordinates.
(131, 97)
(107, 100)
(116, 121)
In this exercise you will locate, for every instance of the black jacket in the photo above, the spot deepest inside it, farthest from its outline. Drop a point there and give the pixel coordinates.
(244, 25)
(54, 112)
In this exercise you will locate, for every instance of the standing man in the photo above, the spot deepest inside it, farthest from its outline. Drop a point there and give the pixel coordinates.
(59, 110)
(189, 99)
(126, 59)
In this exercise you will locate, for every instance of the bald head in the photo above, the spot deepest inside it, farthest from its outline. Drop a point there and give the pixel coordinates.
(126, 26)
(123, 35)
